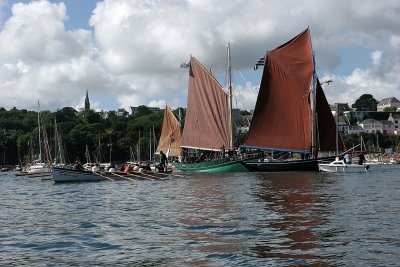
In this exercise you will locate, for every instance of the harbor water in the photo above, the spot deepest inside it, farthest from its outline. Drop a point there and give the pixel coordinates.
(230, 219)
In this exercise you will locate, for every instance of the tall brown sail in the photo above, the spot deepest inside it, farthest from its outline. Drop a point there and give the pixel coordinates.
(207, 122)
(170, 140)
(282, 116)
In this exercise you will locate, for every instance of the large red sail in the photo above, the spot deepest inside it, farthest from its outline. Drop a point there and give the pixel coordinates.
(282, 116)
(170, 140)
(207, 115)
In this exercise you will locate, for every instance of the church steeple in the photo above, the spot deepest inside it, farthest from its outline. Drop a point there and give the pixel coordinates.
(87, 102)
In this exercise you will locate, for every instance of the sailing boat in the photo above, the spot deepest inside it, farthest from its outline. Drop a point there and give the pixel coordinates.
(340, 166)
(39, 166)
(208, 122)
(170, 139)
(292, 114)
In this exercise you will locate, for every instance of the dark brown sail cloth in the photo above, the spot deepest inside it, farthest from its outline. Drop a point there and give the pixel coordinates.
(281, 118)
(207, 118)
(326, 124)
(170, 140)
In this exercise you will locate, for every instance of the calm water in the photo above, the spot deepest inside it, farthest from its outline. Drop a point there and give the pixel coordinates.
(249, 219)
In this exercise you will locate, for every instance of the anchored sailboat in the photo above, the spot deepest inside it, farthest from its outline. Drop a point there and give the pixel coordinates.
(170, 139)
(292, 114)
(39, 166)
(208, 123)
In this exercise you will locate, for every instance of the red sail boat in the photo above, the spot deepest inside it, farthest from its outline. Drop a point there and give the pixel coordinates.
(170, 139)
(207, 132)
(292, 114)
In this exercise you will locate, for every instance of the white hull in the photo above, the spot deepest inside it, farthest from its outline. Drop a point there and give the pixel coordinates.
(340, 167)
(38, 168)
(67, 175)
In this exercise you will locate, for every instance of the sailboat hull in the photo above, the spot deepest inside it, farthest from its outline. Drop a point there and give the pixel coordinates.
(341, 167)
(220, 165)
(61, 175)
(287, 165)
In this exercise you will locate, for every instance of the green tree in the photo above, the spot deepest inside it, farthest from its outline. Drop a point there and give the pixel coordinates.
(366, 102)
(143, 110)
(390, 109)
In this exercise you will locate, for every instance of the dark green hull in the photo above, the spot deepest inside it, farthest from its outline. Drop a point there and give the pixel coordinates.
(220, 165)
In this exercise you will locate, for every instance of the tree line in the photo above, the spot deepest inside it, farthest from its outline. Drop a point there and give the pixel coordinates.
(119, 135)
(19, 131)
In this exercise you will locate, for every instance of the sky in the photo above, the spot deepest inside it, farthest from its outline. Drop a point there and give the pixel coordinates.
(127, 52)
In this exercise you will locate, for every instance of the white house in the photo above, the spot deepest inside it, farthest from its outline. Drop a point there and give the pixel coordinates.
(371, 126)
(388, 103)
(395, 119)
(387, 128)
(375, 126)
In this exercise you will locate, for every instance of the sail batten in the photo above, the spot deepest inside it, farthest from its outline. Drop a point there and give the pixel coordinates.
(207, 116)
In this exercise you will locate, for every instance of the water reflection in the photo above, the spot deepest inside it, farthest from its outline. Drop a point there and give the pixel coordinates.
(290, 200)
(212, 228)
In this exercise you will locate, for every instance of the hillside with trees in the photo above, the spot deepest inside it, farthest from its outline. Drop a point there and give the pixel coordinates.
(78, 130)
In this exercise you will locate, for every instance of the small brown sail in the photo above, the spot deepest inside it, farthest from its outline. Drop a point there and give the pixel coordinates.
(282, 116)
(326, 124)
(170, 140)
(207, 116)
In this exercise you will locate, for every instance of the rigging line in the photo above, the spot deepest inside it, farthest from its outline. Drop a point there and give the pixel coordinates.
(246, 82)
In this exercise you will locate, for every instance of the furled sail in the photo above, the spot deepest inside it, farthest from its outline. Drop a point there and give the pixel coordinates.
(170, 140)
(207, 122)
(282, 116)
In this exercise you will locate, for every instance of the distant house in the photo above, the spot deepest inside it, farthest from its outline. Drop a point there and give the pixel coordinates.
(122, 112)
(355, 130)
(375, 126)
(387, 128)
(395, 119)
(388, 103)
(371, 126)
(104, 114)
(355, 117)
(343, 126)
(134, 110)
(340, 107)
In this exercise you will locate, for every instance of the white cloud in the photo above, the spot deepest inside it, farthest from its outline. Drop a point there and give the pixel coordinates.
(376, 57)
(132, 55)
(157, 103)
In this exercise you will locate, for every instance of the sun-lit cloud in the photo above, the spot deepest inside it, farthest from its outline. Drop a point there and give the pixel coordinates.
(132, 52)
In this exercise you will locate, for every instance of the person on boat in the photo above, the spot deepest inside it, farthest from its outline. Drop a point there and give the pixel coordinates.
(261, 156)
(147, 167)
(128, 169)
(96, 168)
(77, 165)
(111, 168)
(163, 161)
(361, 159)
(136, 168)
(347, 158)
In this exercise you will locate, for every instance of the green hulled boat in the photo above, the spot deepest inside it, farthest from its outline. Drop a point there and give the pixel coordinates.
(208, 121)
(220, 165)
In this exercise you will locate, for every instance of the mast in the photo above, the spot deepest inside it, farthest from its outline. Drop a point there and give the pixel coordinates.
(139, 148)
(313, 97)
(337, 130)
(229, 71)
(150, 146)
(99, 151)
(40, 142)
